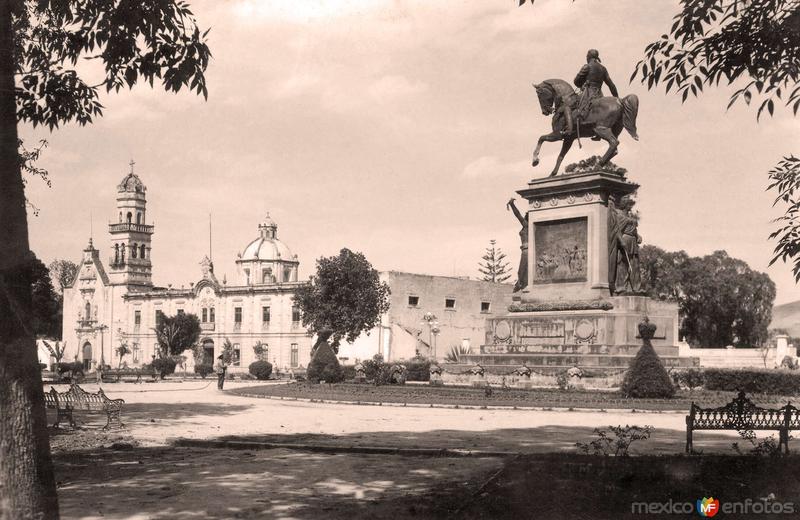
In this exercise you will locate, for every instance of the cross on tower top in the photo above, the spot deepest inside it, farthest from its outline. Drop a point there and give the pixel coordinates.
(131, 164)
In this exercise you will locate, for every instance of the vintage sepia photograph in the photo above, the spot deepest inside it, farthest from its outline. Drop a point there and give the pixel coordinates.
(399, 259)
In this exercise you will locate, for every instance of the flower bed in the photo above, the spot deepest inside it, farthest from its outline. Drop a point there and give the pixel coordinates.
(465, 396)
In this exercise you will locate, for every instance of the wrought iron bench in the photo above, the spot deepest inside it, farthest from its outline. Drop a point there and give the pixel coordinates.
(740, 415)
(78, 399)
(117, 374)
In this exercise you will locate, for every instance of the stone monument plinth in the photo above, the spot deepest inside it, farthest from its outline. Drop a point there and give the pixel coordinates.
(582, 302)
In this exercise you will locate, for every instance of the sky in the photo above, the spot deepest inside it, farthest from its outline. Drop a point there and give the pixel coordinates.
(400, 128)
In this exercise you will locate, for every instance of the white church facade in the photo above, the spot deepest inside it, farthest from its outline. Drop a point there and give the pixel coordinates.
(116, 303)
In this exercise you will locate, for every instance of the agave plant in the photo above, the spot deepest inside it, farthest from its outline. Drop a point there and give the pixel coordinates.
(455, 353)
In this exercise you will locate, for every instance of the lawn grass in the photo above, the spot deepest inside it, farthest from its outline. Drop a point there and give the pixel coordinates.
(467, 396)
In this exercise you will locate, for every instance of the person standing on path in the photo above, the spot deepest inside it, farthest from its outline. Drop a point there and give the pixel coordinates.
(220, 368)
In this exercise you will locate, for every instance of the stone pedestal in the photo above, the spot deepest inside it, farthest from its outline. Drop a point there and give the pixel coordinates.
(566, 316)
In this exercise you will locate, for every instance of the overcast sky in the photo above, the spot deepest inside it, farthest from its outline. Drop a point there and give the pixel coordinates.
(400, 129)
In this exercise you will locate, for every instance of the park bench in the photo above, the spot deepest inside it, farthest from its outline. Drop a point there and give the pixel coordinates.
(117, 374)
(78, 399)
(742, 415)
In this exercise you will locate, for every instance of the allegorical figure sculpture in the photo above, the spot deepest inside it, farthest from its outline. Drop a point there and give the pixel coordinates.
(522, 272)
(623, 246)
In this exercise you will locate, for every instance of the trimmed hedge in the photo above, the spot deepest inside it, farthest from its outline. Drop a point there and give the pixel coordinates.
(164, 366)
(203, 369)
(261, 369)
(778, 382)
(325, 366)
(647, 376)
(418, 369)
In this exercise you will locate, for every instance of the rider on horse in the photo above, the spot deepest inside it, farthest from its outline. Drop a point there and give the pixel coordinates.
(590, 78)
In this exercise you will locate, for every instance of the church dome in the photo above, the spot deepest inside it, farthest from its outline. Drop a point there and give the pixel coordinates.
(131, 183)
(267, 246)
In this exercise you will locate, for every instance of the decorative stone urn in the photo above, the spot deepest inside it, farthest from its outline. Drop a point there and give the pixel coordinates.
(523, 374)
(575, 374)
(478, 376)
(435, 375)
(397, 375)
(361, 373)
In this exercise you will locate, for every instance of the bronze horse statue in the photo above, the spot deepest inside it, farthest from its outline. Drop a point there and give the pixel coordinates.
(605, 120)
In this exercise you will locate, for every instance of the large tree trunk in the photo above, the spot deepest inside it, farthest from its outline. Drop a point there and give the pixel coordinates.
(27, 484)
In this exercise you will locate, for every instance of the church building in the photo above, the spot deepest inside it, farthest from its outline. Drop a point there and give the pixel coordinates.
(116, 303)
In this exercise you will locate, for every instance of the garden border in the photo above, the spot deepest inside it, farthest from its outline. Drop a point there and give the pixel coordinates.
(459, 406)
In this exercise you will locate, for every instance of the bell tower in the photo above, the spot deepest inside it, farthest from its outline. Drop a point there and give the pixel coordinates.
(131, 236)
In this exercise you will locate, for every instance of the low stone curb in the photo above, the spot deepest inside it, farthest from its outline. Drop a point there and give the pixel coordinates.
(322, 448)
(461, 406)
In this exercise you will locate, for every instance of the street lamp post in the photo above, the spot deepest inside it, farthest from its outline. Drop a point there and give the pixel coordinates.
(102, 329)
(433, 330)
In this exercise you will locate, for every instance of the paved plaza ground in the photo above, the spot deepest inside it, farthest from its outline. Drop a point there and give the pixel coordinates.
(144, 476)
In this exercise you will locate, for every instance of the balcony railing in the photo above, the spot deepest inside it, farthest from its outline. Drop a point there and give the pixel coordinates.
(130, 226)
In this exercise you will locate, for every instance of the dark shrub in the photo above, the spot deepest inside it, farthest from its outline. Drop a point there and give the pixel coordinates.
(261, 369)
(164, 366)
(777, 382)
(203, 369)
(324, 366)
(349, 372)
(376, 370)
(73, 371)
(418, 369)
(646, 375)
(690, 378)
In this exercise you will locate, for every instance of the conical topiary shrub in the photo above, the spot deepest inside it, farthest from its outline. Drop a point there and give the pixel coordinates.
(324, 366)
(646, 375)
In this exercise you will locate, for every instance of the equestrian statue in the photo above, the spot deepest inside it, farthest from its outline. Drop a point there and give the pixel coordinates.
(587, 113)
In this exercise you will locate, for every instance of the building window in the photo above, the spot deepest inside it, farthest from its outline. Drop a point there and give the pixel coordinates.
(265, 314)
(236, 358)
(137, 318)
(134, 250)
(180, 311)
(287, 274)
(295, 314)
(135, 352)
(237, 315)
(485, 306)
(295, 355)
(266, 276)
(413, 301)
(450, 303)
(205, 315)
(211, 314)
(138, 217)
(159, 316)
(141, 251)
(247, 276)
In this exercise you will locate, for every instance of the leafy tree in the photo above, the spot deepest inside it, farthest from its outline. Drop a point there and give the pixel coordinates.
(177, 333)
(756, 42)
(56, 350)
(721, 300)
(41, 41)
(227, 352)
(62, 273)
(494, 268)
(122, 351)
(46, 312)
(344, 298)
(261, 350)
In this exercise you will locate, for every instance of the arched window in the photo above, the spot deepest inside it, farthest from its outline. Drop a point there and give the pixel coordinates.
(130, 216)
(141, 251)
(122, 253)
(138, 217)
(120, 217)
(88, 311)
(134, 250)
(116, 253)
